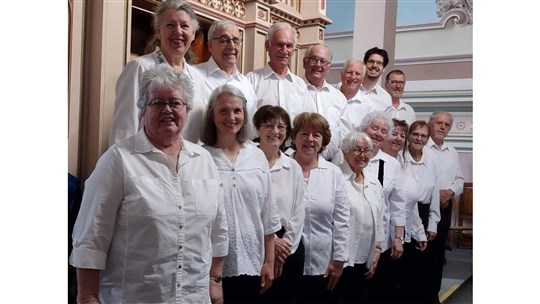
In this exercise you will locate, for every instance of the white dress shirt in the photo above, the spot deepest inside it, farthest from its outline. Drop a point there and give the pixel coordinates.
(330, 103)
(288, 92)
(355, 111)
(403, 112)
(377, 94)
(421, 186)
(250, 206)
(367, 202)
(326, 225)
(215, 77)
(151, 231)
(127, 118)
(447, 160)
(395, 204)
(288, 189)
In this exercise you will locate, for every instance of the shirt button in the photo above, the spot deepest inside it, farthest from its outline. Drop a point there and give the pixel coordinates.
(234, 178)
(180, 226)
(180, 247)
(234, 185)
(232, 169)
(179, 207)
(179, 266)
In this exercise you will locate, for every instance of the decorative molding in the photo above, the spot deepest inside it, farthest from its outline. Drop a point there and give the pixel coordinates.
(460, 9)
(434, 59)
(235, 8)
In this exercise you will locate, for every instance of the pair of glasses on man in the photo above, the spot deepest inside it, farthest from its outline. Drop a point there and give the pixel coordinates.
(224, 40)
(175, 104)
(315, 59)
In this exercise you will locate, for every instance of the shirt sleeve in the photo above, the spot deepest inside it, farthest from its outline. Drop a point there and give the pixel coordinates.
(295, 224)
(341, 216)
(95, 223)
(220, 237)
(126, 118)
(434, 209)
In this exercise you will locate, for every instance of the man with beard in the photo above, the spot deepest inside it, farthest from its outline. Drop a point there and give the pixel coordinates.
(376, 60)
(275, 84)
(395, 85)
(329, 101)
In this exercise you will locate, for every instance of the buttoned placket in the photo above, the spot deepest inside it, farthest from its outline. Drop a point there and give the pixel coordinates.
(175, 178)
(281, 94)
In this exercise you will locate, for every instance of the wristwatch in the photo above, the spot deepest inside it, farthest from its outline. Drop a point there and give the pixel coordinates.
(216, 279)
(401, 239)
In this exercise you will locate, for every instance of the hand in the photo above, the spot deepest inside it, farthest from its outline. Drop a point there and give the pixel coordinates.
(431, 235)
(267, 276)
(333, 272)
(278, 269)
(445, 196)
(397, 249)
(282, 249)
(88, 299)
(421, 246)
(375, 262)
(216, 292)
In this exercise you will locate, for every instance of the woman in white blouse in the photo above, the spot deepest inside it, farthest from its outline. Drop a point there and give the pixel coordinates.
(326, 227)
(421, 188)
(249, 203)
(367, 202)
(273, 126)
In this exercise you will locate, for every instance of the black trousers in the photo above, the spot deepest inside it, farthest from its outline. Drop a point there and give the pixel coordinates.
(352, 286)
(312, 289)
(438, 251)
(241, 289)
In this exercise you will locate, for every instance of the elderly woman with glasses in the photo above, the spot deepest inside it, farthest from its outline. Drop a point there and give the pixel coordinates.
(252, 213)
(365, 194)
(152, 226)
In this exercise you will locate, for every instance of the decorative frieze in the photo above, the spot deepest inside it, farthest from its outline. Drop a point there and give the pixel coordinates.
(461, 10)
(234, 8)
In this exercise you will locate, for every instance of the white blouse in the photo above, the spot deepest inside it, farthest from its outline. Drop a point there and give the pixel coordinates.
(367, 202)
(250, 206)
(421, 186)
(326, 225)
(288, 189)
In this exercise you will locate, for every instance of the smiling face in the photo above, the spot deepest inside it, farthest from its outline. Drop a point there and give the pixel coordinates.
(316, 72)
(418, 138)
(395, 85)
(377, 130)
(396, 142)
(161, 124)
(374, 66)
(225, 54)
(308, 142)
(358, 157)
(175, 32)
(352, 76)
(228, 115)
(272, 134)
(281, 48)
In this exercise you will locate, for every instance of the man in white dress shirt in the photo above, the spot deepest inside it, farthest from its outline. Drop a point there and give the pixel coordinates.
(450, 184)
(395, 85)
(224, 43)
(376, 60)
(274, 84)
(330, 101)
(358, 105)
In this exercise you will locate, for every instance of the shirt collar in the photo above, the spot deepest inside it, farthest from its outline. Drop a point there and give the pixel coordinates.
(409, 158)
(268, 72)
(143, 145)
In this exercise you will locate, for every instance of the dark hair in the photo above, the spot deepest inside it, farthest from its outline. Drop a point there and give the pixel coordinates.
(397, 72)
(377, 51)
(269, 113)
(209, 131)
(315, 121)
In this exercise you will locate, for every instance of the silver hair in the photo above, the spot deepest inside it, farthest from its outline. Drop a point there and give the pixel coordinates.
(310, 49)
(432, 117)
(368, 119)
(179, 5)
(281, 25)
(164, 76)
(351, 140)
(219, 24)
(350, 60)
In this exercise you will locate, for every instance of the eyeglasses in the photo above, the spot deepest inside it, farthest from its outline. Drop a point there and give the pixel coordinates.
(224, 40)
(394, 82)
(357, 151)
(270, 127)
(315, 59)
(374, 62)
(176, 104)
(416, 134)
